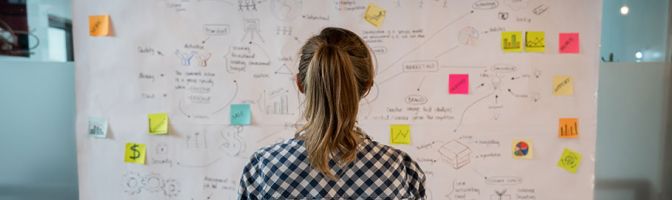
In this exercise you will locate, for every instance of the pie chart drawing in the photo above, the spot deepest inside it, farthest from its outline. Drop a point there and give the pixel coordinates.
(522, 149)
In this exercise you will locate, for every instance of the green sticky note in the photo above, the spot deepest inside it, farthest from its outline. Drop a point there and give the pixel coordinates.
(97, 127)
(240, 114)
(570, 160)
(400, 134)
(158, 123)
(135, 153)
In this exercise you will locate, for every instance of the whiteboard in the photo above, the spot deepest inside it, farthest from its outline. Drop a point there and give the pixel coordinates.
(194, 58)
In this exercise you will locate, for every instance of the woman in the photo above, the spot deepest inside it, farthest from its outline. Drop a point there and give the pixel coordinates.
(331, 158)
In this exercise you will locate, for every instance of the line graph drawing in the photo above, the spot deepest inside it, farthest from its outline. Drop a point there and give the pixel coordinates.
(400, 136)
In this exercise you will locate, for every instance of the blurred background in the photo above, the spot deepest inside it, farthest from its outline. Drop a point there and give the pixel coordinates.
(37, 105)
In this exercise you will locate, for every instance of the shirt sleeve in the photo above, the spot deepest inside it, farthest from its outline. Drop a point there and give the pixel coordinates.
(248, 188)
(415, 178)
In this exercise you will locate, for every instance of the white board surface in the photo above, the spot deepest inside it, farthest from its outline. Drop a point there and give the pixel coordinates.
(194, 58)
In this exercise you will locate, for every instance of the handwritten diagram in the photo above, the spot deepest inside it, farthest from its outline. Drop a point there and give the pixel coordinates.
(463, 87)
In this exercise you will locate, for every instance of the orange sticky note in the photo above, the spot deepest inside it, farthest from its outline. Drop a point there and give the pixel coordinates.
(568, 128)
(99, 25)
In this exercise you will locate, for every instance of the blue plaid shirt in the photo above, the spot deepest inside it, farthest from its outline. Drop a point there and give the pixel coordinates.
(282, 171)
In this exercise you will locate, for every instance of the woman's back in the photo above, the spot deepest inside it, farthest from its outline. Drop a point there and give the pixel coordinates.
(282, 171)
(331, 158)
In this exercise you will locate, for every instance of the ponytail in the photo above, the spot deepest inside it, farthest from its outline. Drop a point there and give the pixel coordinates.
(335, 71)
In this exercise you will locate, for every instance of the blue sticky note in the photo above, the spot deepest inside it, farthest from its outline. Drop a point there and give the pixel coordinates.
(97, 127)
(240, 114)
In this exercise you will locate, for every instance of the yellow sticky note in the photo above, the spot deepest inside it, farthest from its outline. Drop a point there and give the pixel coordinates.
(99, 25)
(563, 86)
(522, 149)
(570, 160)
(400, 134)
(535, 42)
(158, 123)
(512, 41)
(568, 128)
(135, 153)
(374, 15)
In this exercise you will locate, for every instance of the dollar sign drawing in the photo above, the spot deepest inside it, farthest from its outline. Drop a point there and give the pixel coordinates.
(136, 153)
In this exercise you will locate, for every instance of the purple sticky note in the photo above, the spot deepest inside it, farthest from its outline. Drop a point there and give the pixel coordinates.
(569, 43)
(458, 84)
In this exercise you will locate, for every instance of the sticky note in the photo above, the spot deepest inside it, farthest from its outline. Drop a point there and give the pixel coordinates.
(135, 153)
(522, 149)
(158, 123)
(458, 84)
(97, 127)
(570, 160)
(512, 41)
(568, 43)
(563, 86)
(400, 134)
(99, 25)
(535, 42)
(240, 114)
(568, 128)
(374, 15)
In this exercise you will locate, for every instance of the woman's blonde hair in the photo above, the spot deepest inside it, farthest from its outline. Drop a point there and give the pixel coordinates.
(335, 72)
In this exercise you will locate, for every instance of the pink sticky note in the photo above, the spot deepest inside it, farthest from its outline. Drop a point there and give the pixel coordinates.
(458, 84)
(569, 43)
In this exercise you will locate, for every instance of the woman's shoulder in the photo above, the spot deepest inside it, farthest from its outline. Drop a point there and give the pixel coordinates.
(283, 148)
(386, 151)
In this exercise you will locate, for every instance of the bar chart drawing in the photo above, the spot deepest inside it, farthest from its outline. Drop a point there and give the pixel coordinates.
(276, 102)
(568, 128)
(512, 41)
